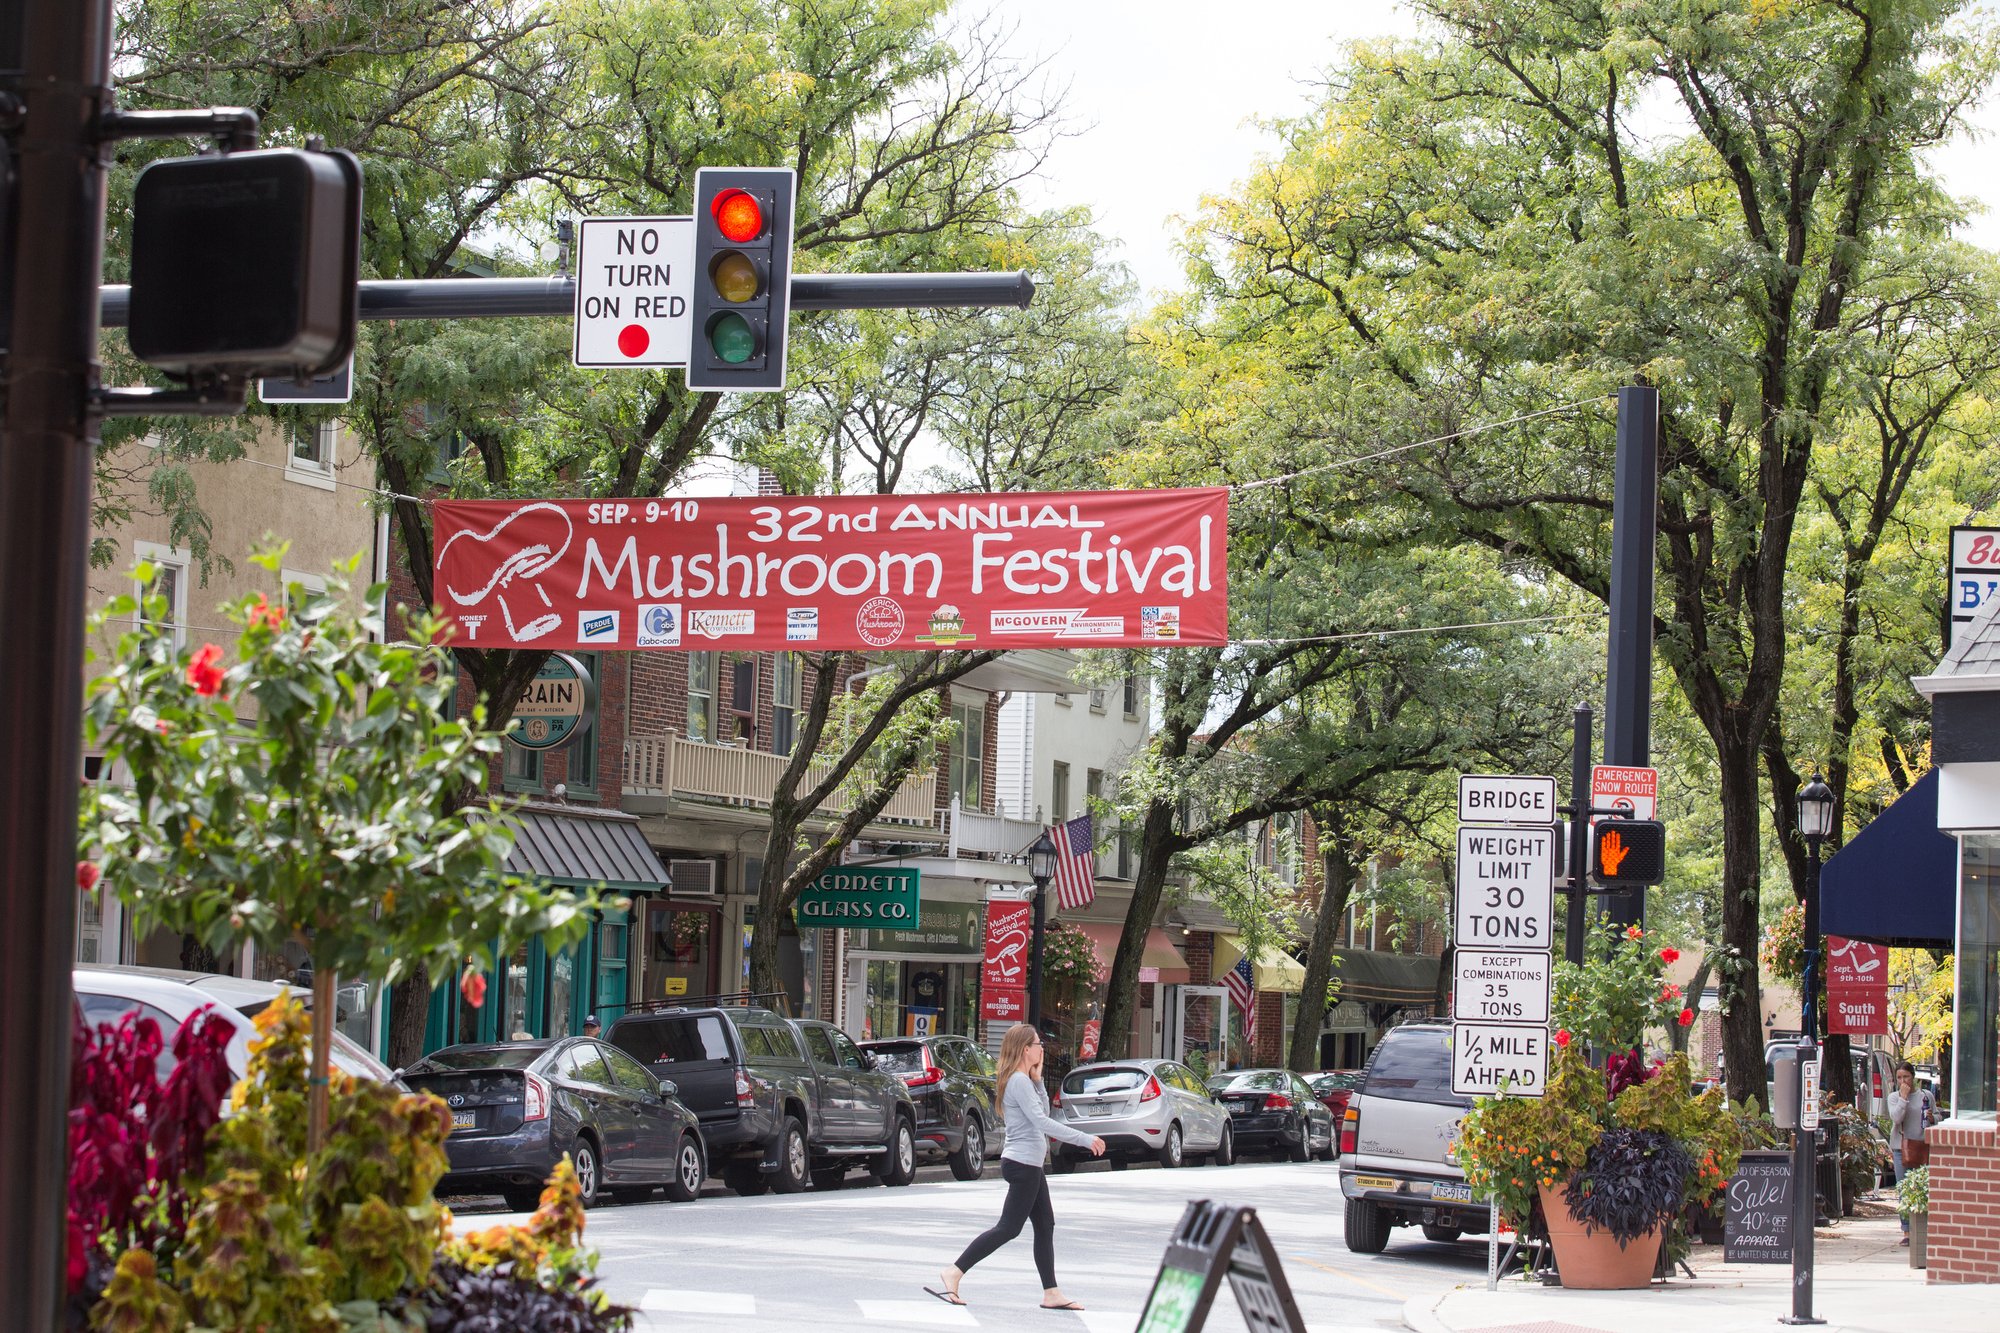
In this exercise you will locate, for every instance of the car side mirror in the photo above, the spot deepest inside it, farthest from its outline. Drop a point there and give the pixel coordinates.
(868, 1060)
(669, 1088)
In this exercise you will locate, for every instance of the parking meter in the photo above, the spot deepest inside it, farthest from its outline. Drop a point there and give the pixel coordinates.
(1785, 1087)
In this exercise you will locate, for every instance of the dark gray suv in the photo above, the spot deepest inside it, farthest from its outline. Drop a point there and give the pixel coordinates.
(1398, 1166)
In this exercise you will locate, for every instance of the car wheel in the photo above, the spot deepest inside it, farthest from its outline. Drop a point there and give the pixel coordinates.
(684, 1186)
(794, 1164)
(899, 1166)
(829, 1177)
(745, 1179)
(522, 1198)
(1225, 1150)
(1332, 1150)
(1061, 1164)
(1367, 1227)
(1302, 1150)
(1441, 1233)
(969, 1162)
(1172, 1151)
(588, 1175)
(1120, 1163)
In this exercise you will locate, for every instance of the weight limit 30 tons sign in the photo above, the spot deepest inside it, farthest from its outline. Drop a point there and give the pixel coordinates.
(1505, 889)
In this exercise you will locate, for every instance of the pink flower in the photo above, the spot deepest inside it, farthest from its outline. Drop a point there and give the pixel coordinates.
(472, 985)
(1670, 955)
(204, 672)
(1562, 1037)
(1687, 1018)
(87, 875)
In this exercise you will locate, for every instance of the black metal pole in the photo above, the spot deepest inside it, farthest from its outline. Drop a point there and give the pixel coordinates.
(1805, 1173)
(1579, 835)
(1035, 955)
(1628, 691)
(503, 298)
(45, 475)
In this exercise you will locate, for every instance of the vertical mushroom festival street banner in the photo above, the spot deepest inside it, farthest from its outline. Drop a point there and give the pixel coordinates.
(1081, 569)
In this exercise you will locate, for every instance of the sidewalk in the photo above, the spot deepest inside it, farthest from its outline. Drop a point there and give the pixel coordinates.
(1862, 1283)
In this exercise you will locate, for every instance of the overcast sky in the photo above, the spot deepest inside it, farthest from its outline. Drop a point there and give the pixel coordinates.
(1162, 96)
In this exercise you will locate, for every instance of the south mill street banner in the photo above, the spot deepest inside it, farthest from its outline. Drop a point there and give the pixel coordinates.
(1088, 569)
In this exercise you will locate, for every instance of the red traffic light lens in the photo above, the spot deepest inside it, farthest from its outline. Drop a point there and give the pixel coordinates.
(738, 215)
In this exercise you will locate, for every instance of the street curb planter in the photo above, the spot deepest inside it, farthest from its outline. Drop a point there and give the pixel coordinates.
(1920, 1225)
(1913, 1201)
(1593, 1260)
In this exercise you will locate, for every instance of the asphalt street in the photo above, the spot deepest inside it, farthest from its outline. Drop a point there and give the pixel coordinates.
(858, 1258)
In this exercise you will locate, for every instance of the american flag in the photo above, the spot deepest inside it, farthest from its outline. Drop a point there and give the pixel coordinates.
(1076, 868)
(1239, 982)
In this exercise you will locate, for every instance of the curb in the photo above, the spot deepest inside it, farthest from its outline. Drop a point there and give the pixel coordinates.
(1420, 1313)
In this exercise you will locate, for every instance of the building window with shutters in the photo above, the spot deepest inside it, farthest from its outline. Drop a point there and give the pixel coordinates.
(739, 682)
(784, 702)
(170, 582)
(1059, 792)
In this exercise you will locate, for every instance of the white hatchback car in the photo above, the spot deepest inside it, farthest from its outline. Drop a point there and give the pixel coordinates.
(170, 997)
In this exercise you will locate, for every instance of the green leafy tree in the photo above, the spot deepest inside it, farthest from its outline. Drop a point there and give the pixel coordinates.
(311, 794)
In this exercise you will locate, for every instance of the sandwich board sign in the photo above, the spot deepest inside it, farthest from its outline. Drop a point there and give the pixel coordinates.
(1210, 1242)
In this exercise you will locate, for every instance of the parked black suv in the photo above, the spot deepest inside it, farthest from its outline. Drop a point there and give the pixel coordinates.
(783, 1103)
(1398, 1163)
(952, 1082)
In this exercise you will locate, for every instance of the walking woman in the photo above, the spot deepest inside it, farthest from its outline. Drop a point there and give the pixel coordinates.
(1024, 1108)
(1910, 1114)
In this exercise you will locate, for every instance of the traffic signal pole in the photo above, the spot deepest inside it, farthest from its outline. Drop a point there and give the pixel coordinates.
(54, 264)
(1574, 924)
(1628, 691)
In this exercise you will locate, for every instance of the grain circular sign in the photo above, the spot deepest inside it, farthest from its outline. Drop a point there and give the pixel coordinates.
(559, 706)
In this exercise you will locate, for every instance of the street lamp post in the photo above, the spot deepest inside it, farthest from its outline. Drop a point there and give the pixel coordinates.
(1815, 823)
(1041, 869)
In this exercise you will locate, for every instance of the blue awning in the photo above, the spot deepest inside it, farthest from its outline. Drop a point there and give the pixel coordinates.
(1897, 882)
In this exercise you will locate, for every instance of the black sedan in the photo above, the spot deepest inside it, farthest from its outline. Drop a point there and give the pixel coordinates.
(517, 1107)
(951, 1081)
(1274, 1110)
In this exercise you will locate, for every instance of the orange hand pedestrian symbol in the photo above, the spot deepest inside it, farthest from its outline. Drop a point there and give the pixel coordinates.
(1611, 852)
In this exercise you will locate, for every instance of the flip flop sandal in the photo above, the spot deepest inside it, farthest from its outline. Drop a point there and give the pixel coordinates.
(1066, 1305)
(953, 1298)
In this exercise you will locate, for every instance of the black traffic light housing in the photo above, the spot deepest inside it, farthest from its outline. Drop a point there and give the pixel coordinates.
(1628, 852)
(246, 263)
(720, 355)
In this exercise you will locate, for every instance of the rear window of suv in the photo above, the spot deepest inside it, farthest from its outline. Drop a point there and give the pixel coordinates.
(1412, 1066)
(902, 1058)
(672, 1039)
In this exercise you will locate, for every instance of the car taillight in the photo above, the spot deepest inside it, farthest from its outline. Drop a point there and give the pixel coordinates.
(745, 1094)
(537, 1099)
(931, 1074)
(1151, 1090)
(1875, 1077)
(1055, 1099)
(1277, 1101)
(1350, 1127)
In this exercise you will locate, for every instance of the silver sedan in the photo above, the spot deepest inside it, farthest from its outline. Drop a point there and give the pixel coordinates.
(1144, 1108)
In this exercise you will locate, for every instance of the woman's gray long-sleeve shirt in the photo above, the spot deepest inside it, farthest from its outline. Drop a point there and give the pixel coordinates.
(1029, 1125)
(1906, 1116)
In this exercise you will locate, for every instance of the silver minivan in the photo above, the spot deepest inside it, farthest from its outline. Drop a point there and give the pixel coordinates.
(1398, 1163)
(1144, 1108)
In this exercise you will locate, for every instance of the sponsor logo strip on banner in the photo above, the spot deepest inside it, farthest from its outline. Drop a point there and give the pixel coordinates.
(852, 572)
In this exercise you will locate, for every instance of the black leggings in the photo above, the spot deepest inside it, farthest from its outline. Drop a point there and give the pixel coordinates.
(1027, 1200)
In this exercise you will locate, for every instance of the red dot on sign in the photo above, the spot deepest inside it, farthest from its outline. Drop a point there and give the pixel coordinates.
(633, 340)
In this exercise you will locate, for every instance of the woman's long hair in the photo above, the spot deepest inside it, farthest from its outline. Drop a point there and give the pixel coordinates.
(1013, 1054)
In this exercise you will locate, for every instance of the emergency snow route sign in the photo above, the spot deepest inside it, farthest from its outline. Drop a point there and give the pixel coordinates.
(633, 280)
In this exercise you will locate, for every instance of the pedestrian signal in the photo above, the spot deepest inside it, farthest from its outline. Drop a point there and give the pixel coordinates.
(1626, 852)
(743, 218)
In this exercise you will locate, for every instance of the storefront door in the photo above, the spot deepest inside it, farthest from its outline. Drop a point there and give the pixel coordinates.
(1200, 1024)
(681, 950)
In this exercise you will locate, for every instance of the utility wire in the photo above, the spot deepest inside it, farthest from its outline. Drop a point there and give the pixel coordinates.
(1417, 629)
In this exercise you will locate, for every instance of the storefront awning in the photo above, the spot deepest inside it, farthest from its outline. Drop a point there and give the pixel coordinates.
(1371, 976)
(1897, 881)
(583, 847)
(1272, 969)
(1160, 951)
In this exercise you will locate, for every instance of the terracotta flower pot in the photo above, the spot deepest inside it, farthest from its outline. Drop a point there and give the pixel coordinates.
(1595, 1261)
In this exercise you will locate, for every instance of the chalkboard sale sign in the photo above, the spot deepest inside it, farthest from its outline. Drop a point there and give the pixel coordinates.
(1758, 1227)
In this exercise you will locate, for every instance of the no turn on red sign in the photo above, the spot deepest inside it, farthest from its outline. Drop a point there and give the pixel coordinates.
(633, 280)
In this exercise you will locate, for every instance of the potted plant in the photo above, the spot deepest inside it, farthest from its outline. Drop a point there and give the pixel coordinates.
(1913, 1201)
(1607, 1158)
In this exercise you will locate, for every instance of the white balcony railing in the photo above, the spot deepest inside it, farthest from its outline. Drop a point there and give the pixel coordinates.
(969, 831)
(672, 765)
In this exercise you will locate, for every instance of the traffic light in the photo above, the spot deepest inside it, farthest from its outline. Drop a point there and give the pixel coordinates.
(1627, 852)
(246, 263)
(743, 218)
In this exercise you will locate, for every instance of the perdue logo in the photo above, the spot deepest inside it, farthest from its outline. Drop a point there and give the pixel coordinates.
(598, 625)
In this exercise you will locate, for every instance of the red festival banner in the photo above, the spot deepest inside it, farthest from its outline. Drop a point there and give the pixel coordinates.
(1009, 930)
(1080, 569)
(1858, 1010)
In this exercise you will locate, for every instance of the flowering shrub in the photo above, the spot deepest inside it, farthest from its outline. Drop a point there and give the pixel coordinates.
(1913, 1191)
(1618, 993)
(1783, 949)
(1631, 1180)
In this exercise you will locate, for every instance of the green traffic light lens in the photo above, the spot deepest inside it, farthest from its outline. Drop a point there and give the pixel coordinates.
(735, 277)
(731, 339)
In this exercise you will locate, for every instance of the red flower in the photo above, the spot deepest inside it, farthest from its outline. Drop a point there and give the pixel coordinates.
(87, 875)
(263, 613)
(204, 672)
(1670, 955)
(1562, 1037)
(1633, 933)
(1670, 993)
(472, 985)
(1687, 1018)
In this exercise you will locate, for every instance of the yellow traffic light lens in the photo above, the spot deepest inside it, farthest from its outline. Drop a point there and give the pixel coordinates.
(738, 215)
(735, 277)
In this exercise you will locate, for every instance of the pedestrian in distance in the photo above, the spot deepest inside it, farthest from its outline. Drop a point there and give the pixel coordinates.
(590, 1028)
(1024, 1109)
(1910, 1113)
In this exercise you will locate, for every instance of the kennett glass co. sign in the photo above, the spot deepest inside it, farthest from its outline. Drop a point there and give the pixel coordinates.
(878, 897)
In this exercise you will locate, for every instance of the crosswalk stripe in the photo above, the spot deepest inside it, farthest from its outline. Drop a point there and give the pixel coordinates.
(665, 1300)
(929, 1311)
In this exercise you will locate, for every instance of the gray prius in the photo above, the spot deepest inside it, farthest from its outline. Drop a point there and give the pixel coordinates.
(1144, 1108)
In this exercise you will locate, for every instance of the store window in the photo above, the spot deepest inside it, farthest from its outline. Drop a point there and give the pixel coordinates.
(784, 702)
(522, 767)
(701, 697)
(312, 459)
(968, 755)
(514, 1018)
(680, 956)
(1059, 792)
(1131, 700)
(739, 681)
(1976, 1048)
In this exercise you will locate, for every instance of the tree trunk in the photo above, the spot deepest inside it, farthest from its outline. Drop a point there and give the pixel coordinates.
(1157, 847)
(765, 931)
(409, 1016)
(1696, 985)
(1338, 883)
(1742, 850)
(322, 1050)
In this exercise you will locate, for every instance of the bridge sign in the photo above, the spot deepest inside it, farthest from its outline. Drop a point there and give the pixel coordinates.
(1505, 888)
(1496, 798)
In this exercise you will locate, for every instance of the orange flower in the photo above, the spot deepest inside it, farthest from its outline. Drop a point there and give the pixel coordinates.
(1634, 933)
(204, 671)
(263, 613)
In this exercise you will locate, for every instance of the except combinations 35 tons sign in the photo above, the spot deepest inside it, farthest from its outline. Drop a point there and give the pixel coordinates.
(1076, 569)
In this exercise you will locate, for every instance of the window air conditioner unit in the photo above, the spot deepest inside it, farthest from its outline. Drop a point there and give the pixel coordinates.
(692, 878)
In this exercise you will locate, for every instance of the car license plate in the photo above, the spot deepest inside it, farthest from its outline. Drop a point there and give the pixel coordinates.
(1096, 1111)
(1376, 1182)
(461, 1119)
(1452, 1193)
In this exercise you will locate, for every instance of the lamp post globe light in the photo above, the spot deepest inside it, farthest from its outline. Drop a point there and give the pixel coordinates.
(1815, 824)
(1041, 869)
